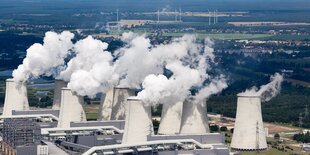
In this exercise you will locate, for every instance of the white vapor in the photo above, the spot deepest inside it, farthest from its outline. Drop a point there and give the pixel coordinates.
(45, 59)
(268, 91)
(90, 71)
(189, 63)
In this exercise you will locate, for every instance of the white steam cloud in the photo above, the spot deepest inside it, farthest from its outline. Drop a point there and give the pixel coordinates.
(189, 65)
(91, 70)
(268, 91)
(45, 59)
(138, 64)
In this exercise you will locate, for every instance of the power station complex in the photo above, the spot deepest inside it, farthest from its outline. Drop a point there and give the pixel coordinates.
(124, 126)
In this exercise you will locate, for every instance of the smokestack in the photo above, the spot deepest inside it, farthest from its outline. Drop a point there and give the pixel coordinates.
(171, 114)
(59, 84)
(249, 133)
(194, 117)
(15, 98)
(138, 124)
(71, 108)
(113, 106)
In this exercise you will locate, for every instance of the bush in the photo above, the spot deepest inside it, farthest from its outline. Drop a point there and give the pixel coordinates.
(214, 128)
(223, 128)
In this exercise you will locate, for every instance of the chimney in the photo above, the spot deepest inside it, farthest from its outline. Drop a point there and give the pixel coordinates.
(171, 114)
(249, 133)
(138, 124)
(113, 106)
(194, 117)
(71, 108)
(15, 97)
(59, 84)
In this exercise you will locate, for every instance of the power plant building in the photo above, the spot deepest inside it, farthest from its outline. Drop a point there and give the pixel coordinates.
(22, 136)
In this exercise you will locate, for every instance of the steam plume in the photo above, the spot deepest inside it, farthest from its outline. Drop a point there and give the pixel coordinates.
(189, 70)
(268, 91)
(45, 59)
(91, 70)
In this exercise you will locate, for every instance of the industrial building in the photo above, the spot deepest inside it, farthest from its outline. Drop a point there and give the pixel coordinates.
(22, 136)
(124, 126)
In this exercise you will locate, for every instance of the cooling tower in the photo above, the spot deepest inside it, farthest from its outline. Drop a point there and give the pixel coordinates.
(194, 117)
(171, 116)
(113, 105)
(249, 133)
(71, 108)
(138, 123)
(57, 93)
(15, 98)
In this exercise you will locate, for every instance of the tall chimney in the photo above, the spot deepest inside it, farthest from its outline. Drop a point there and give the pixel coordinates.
(15, 97)
(194, 117)
(71, 108)
(138, 124)
(171, 114)
(113, 106)
(59, 84)
(249, 133)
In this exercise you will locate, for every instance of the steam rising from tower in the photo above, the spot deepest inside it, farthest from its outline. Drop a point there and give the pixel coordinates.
(45, 59)
(268, 91)
(15, 97)
(249, 133)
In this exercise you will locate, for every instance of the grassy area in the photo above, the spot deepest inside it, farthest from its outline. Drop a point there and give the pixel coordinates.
(222, 35)
(91, 116)
(288, 37)
(271, 151)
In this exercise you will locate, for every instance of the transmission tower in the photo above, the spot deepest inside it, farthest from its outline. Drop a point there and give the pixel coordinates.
(306, 112)
(300, 120)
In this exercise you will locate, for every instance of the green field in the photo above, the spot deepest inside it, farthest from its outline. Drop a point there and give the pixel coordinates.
(91, 116)
(222, 35)
(271, 151)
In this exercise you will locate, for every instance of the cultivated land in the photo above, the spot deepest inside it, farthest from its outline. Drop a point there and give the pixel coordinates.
(268, 24)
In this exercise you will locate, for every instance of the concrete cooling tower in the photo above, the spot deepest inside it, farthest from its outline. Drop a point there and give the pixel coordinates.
(71, 108)
(15, 98)
(171, 116)
(138, 123)
(59, 84)
(194, 117)
(249, 133)
(113, 105)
